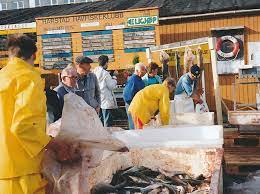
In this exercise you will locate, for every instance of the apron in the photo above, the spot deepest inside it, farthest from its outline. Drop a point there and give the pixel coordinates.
(183, 103)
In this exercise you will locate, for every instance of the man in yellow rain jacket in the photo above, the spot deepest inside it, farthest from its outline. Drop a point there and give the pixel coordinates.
(22, 121)
(151, 99)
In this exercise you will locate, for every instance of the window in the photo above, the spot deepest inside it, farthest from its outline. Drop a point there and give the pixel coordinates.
(54, 2)
(69, 1)
(37, 3)
(18, 5)
(3, 6)
(87, 0)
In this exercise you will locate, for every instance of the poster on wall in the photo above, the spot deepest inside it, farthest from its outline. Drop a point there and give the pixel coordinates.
(56, 50)
(254, 53)
(177, 56)
(230, 49)
(98, 43)
(173, 53)
(118, 34)
(138, 39)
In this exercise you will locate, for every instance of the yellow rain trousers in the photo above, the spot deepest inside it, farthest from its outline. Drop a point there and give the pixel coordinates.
(23, 185)
(22, 128)
(149, 100)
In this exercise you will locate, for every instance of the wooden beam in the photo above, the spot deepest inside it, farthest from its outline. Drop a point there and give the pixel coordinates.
(225, 106)
(179, 44)
(212, 42)
(244, 117)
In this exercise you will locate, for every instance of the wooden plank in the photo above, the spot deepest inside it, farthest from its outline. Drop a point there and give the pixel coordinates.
(231, 80)
(241, 91)
(255, 29)
(242, 156)
(162, 34)
(188, 28)
(216, 185)
(245, 19)
(222, 83)
(200, 29)
(208, 85)
(253, 90)
(196, 29)
(192, 29)
(211, 89)
(246, 91)
(168, 37)
(171, 33)
(205, 28)
(216, 80)
(184, 32)
(194, 119)
(258, 27)
(168, 34)
(176, 37)
(244, 117)
(250, 29)
(219, 23)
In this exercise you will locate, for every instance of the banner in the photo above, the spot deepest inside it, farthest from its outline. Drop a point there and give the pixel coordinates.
(180, 51)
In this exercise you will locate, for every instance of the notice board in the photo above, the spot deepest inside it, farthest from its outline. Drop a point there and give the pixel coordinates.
(119, 34)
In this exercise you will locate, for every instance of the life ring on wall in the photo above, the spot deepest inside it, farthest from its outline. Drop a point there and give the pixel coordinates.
(235, 50)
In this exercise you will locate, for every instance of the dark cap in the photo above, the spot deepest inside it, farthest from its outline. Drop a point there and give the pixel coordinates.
(195, 70)
(83, 59)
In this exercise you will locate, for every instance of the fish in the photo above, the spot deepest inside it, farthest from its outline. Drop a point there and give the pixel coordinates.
(103, 188)
(142, 180)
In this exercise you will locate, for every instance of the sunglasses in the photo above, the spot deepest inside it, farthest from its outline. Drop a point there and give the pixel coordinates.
(195, 76)
(72, 77)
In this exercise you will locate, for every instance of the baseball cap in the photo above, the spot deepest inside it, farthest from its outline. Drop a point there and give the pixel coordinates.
(83, 59)
(195, 70)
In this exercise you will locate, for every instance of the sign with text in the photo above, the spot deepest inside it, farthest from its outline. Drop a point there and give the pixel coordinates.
(143, 21)
(18, 26)
(98, 21)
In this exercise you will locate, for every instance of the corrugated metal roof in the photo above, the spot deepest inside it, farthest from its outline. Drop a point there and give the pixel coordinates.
(167, 8)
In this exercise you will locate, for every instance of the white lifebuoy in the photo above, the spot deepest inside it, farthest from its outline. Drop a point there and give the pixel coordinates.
(235, 50)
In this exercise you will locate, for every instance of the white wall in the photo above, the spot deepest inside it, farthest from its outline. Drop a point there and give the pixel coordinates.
(31, 3)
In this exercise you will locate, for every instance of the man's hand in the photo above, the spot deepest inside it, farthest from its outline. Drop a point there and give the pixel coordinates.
(197, 99)
(200, 91)
(200, 101)
(124, 149)
(153, 118)
(98, 110)
(116, 73)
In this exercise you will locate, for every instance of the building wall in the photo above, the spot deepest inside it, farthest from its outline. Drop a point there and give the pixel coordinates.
(11, 4)
(187, 30)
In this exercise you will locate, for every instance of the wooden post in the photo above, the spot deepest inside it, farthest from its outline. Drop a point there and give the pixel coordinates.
(213, 55)
(149, 55)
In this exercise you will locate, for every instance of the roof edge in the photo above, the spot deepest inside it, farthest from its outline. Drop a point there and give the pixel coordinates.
(211, 14)
(95, 13)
